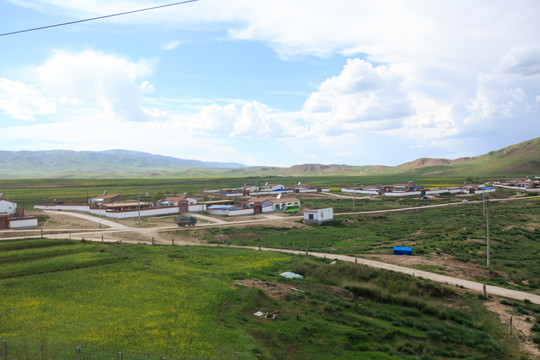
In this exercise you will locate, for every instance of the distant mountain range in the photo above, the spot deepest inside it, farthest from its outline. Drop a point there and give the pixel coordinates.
(520, 159)
(94, 164)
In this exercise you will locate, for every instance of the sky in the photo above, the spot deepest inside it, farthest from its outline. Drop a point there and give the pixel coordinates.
(272, 82)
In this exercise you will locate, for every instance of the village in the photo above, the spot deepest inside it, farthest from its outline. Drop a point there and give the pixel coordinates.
(243, 200)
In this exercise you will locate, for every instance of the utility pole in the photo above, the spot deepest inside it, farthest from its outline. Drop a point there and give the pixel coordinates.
(354, 197)
(487, 228)
(139, 205)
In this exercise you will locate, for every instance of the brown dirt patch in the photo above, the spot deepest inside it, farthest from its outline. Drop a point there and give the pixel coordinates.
(57, 220)
(453, 267)
(521, 327)
(532, 226)
(155, 221)
(279, 291)
(419, 233)
(272, 289)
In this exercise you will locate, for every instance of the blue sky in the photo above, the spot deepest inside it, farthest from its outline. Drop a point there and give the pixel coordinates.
(272, 82)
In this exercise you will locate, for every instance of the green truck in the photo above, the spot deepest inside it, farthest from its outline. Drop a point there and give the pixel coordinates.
(291, 209)
(185, 221)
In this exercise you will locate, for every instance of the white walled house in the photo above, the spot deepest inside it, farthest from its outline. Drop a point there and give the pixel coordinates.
(271, 187)
(318, 215)
(124, 211)
(176, 200)
(7, 207)
(276, 203)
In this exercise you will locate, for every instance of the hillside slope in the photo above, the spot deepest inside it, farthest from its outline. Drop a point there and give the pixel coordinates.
(89, 164)
(516, 160)
(519, 159)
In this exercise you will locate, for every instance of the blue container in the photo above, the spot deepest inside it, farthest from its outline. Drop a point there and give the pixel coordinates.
(402, 250)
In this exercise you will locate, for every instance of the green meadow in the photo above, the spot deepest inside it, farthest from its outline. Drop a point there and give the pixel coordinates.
(151, 302)
(27, 192)
(457, 231)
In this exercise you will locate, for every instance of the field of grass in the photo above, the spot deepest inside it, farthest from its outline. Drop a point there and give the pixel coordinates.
(459, 231)
(28, 192)
(151, 302)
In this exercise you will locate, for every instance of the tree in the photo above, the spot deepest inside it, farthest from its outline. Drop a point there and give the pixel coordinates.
(157, 196)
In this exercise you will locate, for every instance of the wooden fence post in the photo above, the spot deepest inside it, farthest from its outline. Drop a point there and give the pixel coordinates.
(78, 352)
(485, 291)
(120, 355)
(4, 349)
(41, 233)
(172, 241)
(101, 237)
(510, 328)
(153, 243)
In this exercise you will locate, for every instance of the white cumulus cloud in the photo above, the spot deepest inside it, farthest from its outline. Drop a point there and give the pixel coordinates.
(362, 97)
(100, 81)
(251, 119)
(510, 90)
(22, 101)
(523, 60)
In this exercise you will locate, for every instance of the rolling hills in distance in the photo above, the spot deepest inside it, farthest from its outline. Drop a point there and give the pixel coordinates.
(521, 159)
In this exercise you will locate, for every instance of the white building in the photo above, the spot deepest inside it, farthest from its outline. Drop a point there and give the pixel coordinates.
(23, 222)
(271, 187)
(176, 200)
(277, 203)
(318, 215)
(7, 207)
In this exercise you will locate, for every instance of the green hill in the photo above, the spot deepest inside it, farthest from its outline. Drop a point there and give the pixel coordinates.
(517, 160)
(521, 159)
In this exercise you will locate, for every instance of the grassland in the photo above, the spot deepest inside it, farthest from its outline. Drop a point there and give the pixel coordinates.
(456, 232)
(182, 303)
(190, 302)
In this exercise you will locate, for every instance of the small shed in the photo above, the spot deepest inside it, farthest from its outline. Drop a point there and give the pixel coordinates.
(23, 222)
(318, 215)
(402, 250)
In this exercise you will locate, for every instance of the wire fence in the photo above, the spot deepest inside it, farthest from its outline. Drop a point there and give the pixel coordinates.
(18, 351)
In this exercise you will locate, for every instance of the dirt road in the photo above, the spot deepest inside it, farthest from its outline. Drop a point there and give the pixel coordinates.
(466, 284)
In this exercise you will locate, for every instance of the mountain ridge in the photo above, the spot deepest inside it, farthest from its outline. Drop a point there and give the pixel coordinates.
(521, 158)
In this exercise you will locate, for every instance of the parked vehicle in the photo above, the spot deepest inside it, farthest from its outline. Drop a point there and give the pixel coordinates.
(291, 209)
(183, 221)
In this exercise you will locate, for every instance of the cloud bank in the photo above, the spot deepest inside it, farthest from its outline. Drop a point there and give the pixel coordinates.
(427, 76)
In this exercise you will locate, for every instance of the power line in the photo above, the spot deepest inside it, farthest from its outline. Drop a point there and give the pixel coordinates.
(98, 18)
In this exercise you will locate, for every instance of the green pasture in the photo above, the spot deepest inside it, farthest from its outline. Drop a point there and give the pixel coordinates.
(459, 231)
(151, 302)
(27, 192)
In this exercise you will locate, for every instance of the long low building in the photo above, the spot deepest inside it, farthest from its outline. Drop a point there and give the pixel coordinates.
(231, 210)
(126, 212)
(420, 192)
(24, 222)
